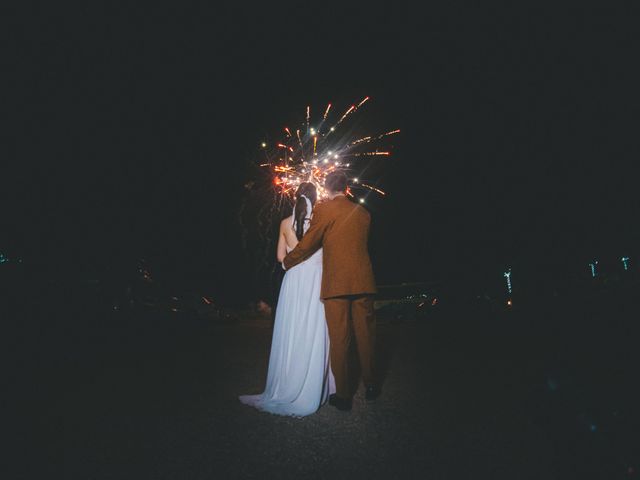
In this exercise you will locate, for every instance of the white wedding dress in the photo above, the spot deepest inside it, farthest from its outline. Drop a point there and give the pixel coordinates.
(299, 379)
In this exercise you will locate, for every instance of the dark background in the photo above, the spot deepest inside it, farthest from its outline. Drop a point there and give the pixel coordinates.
(130, 131)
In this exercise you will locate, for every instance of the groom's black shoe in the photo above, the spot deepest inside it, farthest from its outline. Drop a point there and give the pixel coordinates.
(340, 403)
(372, 392)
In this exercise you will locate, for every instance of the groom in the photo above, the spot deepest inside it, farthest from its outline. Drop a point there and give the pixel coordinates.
(341, 228)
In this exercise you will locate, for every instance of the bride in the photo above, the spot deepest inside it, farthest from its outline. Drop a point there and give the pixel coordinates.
(299, 379)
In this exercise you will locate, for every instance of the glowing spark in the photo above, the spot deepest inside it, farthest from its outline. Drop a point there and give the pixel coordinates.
(377, 190)
(362, 102)
(286, 129)
(369, 154)
(326, 112)
(351, 109)
(365, 139)
(308, 114)
(392, 132)
(370, 139)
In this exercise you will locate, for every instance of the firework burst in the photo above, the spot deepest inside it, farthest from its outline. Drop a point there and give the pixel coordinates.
(311, 156)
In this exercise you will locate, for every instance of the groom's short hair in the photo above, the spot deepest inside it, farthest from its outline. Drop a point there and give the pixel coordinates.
(336, 182)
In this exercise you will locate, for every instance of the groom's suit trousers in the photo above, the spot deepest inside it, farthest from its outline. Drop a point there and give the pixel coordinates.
(348, 317)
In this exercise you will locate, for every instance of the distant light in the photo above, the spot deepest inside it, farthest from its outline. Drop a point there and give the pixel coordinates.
(264, 145)
(507, 275)
(304, 170)
(337, 163)
(348, 164)
(313, 131)
(332, 129)
(326, 160)
(625, 262)
(593, 268)
(509, 302)
(355, 180)
(329, 152)
(335, 156)
(362, 200)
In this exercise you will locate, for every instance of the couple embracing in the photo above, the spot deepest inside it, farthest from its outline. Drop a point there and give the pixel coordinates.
(326, 300)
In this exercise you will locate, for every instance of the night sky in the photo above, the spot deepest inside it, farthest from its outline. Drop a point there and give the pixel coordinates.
(130, 132)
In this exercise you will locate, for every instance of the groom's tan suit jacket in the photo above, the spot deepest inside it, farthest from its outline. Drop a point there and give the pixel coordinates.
(341, 228)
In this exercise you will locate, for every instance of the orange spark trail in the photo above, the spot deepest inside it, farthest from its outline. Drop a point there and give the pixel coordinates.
(326, 112)
(374, 189)
(362, 102)
(365, 139)
(351, 109)
(369, 154)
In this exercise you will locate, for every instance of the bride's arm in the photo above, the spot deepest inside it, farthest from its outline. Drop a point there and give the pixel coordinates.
(282, 246)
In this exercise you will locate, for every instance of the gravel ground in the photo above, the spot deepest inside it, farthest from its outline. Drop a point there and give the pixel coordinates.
(157, 398)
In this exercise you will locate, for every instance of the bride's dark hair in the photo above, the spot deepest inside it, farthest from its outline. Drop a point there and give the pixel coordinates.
(300, 209)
